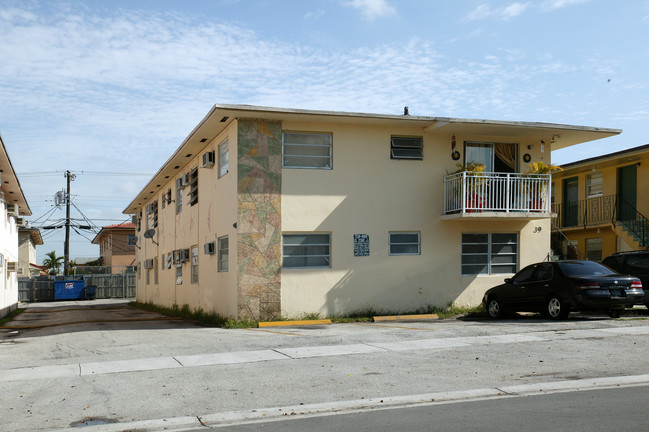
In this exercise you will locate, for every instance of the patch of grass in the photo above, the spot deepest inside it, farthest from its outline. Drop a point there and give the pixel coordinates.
(359, 315)
(11, 315)
(366, 314)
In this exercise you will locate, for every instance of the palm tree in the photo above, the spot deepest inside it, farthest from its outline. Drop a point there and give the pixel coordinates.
(52, 262)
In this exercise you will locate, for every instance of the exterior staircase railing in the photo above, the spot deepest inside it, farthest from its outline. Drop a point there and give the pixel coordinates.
(633, 222)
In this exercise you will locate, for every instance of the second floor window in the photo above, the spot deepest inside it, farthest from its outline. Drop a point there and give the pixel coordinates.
(306, 150)
(594, 185)
(193, 187)
(224, 158)
(407, 148)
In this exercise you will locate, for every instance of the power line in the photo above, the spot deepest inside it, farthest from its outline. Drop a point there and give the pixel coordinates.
(96, 173)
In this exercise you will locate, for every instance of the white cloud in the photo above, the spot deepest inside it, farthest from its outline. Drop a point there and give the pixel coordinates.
(514, 9)
(372, 9)
(481, 12)
(558, 4)
(484, 11)
(314, 14)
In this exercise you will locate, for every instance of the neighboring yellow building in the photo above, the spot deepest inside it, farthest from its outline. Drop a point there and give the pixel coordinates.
(117, 246)
(264, 212)
(601, 205)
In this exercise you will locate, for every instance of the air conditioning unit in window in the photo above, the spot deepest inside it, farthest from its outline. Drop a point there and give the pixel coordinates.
(21, 271)
(148, 264)
(208, 159)
(209, 248)
(134, 219)
(184, 180)
(12, 266)
(184, 254)
(12, 209)
(21, 222)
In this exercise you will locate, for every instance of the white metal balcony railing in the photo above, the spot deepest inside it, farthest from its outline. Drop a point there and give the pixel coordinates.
(467, 192)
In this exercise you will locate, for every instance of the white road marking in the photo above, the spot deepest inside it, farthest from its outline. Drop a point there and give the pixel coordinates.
(134, 365)
(229, 358)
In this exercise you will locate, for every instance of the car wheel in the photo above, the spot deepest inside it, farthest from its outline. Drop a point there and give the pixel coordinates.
(615, 313)
(494, 308)
(555, 308)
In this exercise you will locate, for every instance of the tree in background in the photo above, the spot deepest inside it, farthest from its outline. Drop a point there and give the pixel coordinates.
(52, 262)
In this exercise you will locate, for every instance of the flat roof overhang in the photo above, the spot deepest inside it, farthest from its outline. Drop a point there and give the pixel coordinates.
(13, 192)
(618, 158)
(221, 115)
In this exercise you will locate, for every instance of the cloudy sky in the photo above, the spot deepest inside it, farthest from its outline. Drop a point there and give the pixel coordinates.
(109, 88)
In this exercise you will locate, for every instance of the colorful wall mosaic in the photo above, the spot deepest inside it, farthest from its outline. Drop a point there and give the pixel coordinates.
(259, 218)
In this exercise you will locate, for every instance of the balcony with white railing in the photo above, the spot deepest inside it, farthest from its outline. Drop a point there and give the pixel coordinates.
(488, 194)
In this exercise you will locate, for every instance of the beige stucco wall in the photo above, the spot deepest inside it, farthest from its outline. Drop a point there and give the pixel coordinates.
(366, 192)
(26, 251)
(212, 217)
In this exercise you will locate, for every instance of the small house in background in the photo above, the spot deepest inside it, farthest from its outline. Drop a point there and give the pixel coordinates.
(13, 206)
(28, 239)
(601, 205)
(117, 246)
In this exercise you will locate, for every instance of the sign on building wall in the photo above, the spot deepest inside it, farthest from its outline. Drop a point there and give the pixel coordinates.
(361, 245)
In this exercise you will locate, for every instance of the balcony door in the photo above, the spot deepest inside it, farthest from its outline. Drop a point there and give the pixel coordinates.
(496, 157)
(570, 201)
(627, 191)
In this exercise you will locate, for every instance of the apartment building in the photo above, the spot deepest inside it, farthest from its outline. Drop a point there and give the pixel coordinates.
(268, 211)
(601, 205)
(13, 208)
(117, 246)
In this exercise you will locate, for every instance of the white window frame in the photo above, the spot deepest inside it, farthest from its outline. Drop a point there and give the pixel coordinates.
(297, 145)
(194, 264)
(594, 244)
(288, 243)
(392, 242)
(489, 254)
(597, 189)
(406, 147)
(223, 244)
(224, 158)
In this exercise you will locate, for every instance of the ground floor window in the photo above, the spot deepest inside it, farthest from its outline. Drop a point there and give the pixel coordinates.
(306, 250)
(405, 243)
(594, 249)
(155, 270)
(489, 253)
(224, 254)
(194, 264)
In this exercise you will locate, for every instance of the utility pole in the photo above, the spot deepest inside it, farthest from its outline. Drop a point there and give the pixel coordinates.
(66, 247)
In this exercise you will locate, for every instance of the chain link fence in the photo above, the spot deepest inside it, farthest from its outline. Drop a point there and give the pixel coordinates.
(110, 282)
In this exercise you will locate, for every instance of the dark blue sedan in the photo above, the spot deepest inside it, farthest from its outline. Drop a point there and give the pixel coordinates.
(558, 287)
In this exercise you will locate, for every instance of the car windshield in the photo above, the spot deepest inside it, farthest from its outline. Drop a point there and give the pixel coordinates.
(584, 268)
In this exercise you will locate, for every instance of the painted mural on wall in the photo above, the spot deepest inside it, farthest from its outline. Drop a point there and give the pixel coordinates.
(259, 218)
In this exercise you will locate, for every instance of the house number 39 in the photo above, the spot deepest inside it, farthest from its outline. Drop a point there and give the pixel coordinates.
(537, 229)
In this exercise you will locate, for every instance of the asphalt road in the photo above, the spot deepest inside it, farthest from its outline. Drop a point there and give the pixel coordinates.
(123, 369)
(608, 410)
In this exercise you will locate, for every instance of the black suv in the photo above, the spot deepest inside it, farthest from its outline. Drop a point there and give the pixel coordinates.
(635, 263)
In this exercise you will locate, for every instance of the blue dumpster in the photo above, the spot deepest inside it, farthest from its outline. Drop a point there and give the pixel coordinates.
(69, 289)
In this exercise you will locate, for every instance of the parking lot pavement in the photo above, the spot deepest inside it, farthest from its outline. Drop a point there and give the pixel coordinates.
(128, 370)
(42, 315)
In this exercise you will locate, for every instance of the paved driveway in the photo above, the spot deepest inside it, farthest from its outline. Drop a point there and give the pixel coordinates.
(143, 371)
(79, 314)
